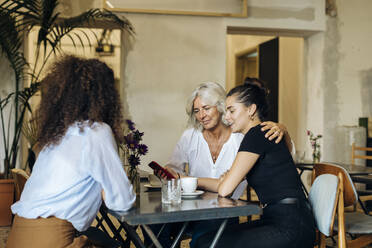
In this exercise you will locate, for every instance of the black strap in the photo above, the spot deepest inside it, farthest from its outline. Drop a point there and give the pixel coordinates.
(288, 200)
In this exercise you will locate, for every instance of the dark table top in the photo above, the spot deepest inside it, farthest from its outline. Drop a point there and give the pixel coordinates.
(150, 210)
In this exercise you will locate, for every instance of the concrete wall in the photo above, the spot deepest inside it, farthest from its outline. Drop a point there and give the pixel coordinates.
(347, 75)
(170, 55)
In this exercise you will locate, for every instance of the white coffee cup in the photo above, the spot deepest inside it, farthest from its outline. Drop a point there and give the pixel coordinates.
(189, 184)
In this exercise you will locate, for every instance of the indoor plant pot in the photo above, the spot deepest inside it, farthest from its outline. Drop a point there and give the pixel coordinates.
(6, 200)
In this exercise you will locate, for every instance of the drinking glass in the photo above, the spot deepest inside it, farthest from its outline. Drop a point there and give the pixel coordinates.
(300, 156)
(171, 191)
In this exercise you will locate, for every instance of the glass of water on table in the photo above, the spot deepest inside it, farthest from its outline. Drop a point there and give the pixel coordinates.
(171, 191)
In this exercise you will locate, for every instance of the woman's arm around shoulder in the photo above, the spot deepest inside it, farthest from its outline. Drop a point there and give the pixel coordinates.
(277, 131)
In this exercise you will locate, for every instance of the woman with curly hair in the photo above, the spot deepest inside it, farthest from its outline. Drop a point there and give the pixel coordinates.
(80, 121)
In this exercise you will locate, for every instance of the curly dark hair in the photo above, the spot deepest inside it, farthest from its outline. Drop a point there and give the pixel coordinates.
(77, 90)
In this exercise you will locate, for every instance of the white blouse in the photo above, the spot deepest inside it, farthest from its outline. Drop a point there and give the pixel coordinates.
(193, 149)
(68, 178)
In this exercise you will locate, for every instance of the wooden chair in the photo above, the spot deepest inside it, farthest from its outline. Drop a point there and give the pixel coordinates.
(324, 197)
(20, 177)
(355, 149)
(358, 225)
(364, 195)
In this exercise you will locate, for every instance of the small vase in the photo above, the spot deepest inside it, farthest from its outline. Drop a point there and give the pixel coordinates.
(316, 160)
(134, 178)
(316, 156)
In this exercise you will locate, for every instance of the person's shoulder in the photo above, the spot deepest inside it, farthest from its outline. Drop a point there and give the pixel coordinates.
(97, 129)
(236, 138)
(254, 134)
(190, 137)
(256, 131)
(254, 141)
(190, 133)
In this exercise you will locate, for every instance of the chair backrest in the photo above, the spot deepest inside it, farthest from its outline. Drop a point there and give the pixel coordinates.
(350, 193)
(354, 154)
(323, 199)
(20, 177)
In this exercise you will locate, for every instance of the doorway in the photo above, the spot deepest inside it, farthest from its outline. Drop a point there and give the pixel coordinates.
(279, 62)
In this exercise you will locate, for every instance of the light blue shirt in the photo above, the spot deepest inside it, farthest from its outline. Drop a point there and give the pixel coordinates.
(68, 178)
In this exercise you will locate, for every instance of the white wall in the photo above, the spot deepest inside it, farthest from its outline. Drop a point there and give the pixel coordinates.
(282, 15)
(172, 54)
(313, 93)
(347, 78)
(170, 57)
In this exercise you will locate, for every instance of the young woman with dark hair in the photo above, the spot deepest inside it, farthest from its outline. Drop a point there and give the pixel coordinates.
(287, 219)
(79, 123)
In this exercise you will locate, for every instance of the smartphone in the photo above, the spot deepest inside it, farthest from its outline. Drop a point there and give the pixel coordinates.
(156, 167)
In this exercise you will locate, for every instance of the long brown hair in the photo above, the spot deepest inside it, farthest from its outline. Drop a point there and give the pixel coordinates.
(77, 90)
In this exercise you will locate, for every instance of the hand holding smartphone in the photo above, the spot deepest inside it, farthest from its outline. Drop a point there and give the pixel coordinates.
(156, 167)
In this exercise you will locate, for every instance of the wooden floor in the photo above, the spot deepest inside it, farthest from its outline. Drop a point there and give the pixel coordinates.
(4, 231)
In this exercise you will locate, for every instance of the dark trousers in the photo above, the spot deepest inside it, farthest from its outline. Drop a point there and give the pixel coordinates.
(281, 226)
(195, 229)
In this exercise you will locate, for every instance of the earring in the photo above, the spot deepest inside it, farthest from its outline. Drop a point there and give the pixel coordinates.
(251, 117)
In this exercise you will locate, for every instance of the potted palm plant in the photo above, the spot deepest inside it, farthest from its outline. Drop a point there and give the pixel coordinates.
(17, 19)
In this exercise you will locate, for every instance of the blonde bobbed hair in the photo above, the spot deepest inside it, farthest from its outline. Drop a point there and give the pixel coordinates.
(210, 93)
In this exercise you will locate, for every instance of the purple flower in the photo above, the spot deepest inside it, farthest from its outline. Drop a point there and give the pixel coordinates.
(142, 149)
(130, 141)
(138, 135)
(130, 124)
(132, 147)
(133, 160)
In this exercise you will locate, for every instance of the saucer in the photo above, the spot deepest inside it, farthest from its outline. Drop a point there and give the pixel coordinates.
(196, 193)
(149, 186)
